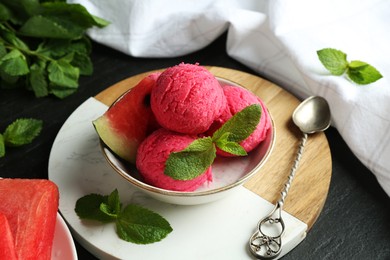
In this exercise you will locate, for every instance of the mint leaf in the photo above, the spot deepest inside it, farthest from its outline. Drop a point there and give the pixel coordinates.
(61, 73)
(76, 13)
(191, 162)
(362, 72)
(14, 63)
(38, 79)
(88, 207)
(334, 60)
(83, 62)
(2, 146)
(61, 21)
(113, 205)
(230, 147)
(241, 125)
(12, 39)
(141, 226)
(22, 131)
(44, 26)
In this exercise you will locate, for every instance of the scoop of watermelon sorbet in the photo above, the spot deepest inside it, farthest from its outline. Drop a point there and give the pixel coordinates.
(237, 99)
(187, 98)
(154, 152)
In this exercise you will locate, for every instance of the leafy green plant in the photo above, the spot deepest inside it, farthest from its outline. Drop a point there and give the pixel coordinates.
(43, 46)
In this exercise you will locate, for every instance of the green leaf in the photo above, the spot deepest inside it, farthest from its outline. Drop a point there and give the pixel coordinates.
(31, 7)
(63, 74)
(38, 79)
(191, 162)
(88, 207)
(141, 226)
(41, 26)
(224, 144)
(62, 92)
(84, 63)
(241, 125)
(100, 22)
(14, 63)
(12, 39)
(333, 60)
(54, 48)
(22, 131)
(76, 13)
(362, 72)
(113, 206)
(2, 146)
(8, 80)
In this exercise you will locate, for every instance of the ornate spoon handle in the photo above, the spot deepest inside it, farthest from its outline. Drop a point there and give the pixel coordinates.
(261, 244)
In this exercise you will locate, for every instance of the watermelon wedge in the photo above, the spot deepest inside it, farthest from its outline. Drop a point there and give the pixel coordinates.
(30, 207)
(129, 120)
(7, 247)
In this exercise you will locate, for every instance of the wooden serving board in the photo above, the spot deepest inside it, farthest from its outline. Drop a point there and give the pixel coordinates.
(310, 186)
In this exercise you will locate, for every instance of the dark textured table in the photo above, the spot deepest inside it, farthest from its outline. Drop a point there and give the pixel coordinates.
(355, 221)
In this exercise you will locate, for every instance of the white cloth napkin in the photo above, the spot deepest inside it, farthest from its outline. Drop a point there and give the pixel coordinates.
(279, 40)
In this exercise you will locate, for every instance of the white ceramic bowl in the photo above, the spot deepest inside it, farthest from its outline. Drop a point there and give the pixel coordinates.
(228, 173)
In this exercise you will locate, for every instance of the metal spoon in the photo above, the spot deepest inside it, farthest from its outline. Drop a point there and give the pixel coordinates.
(312, 115)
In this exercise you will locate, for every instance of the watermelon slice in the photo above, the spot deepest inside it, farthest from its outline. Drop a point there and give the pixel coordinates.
(129, 120)
(30, 207)
(7, 247)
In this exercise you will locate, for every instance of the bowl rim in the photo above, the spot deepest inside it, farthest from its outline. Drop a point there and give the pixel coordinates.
(160, 191)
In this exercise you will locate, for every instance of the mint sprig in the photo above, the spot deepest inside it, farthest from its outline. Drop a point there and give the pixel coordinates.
(134, 223)
(200, 154)
(43, 45)
(20, 132)
(335, 61)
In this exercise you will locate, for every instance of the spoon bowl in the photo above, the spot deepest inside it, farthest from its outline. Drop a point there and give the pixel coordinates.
(312, 115)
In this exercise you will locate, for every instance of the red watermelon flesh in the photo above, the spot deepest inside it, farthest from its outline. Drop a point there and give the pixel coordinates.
(30, 207)
(7, 247)
(129, 120)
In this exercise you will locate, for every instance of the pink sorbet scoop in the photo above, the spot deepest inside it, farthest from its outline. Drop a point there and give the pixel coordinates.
(154, 152)
(237, 99)
(187, 99)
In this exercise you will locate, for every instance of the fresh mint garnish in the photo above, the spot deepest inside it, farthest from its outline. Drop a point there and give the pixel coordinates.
(43, 45)
(336, 62)
(200, 154)
(192, 161)
(240, 126)
(226, 145)
(134, 223)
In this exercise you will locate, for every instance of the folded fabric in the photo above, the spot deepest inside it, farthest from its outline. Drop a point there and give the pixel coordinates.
(279, 40)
